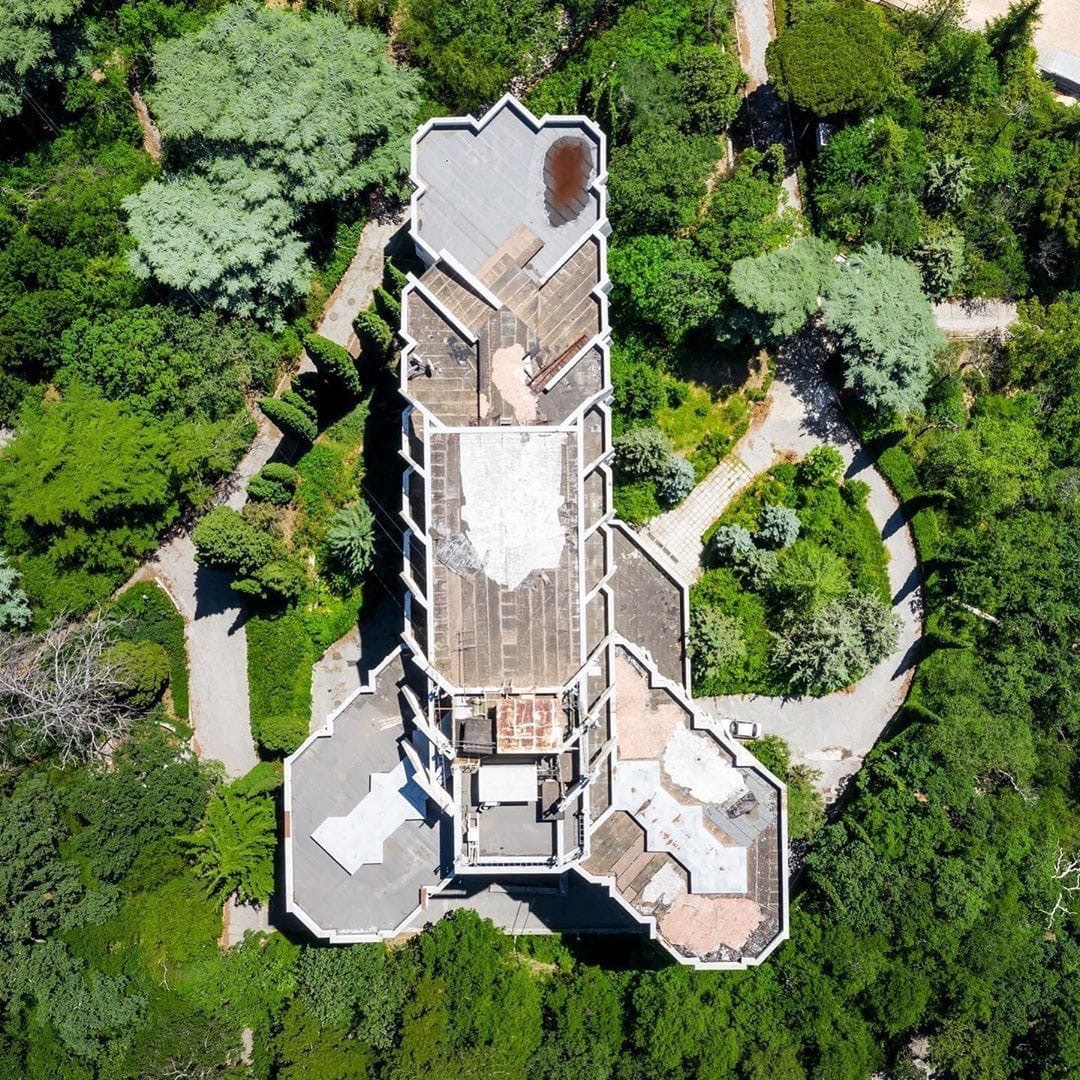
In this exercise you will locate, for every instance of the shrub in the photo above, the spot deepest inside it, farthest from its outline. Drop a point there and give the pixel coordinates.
(281, 734)
(394, 280)
(274, 483)
(730, 544)
(289, 418)
(733, 546)
(642, 452)
(716, 641)
(778, 527)
(638, 390)
(300, 395)
(260, 779)
(809, 576)
(855, 493)
(234, 848)
(224, 541)
(675, 481)
(147, 614)
(387, 307)
(280, 579)
(142, 669)
(821, 465)
(351, 540)
(334, 363)
(636, 503)
(374, 333)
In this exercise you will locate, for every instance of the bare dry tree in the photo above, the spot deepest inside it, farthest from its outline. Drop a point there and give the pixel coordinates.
(60, 689)
(1067, 876)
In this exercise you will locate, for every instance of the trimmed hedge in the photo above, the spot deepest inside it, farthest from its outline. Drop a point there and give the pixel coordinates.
(274, 483)
(280, 658)
(387, 306)
(334, 363)
(374, 333)
(149, 616)
(287, 416)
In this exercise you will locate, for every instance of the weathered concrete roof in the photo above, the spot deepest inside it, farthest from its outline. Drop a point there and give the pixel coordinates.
(479, 181)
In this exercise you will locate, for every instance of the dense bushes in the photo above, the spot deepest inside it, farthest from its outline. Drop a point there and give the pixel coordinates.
(87, 487)
(147, 614)
(924, 175)
(284, 644)
(334, 363)
(795, 558)
(274, 483)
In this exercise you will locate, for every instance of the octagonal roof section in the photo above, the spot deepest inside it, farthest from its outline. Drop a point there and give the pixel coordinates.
(480, 183)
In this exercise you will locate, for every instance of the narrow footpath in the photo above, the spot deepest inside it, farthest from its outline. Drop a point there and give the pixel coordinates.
(832, 733)
(213, 617)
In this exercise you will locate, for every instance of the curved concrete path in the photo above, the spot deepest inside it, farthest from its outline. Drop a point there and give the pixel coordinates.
(832, 733)
(213, 613)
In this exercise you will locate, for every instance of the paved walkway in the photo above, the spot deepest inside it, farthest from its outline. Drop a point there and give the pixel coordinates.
(678, 532)
(973, 318)
(833, 733)
(213, 614)
(769, 118)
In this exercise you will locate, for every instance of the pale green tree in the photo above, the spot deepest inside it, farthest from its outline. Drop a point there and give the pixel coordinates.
(877, 308)
(309, 98)
(837, 645)
(223, 235)
(14, 607)
(716, 640)
(38, 42)
(782, 288)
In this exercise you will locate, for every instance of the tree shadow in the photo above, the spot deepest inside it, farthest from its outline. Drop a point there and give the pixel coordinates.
(213, 596)
(801, 364)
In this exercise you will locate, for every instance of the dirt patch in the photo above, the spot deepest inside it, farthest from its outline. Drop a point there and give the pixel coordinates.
(701, 923)
(566, 172)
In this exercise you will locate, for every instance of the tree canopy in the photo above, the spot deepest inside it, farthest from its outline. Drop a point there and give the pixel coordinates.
(266, 113)
(835, 59)
(784, 287)
(311, 100)
(38, 39)
(877, 306)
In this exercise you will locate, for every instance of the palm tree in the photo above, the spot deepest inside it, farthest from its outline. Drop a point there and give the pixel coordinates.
(234, 848)
(351, 540)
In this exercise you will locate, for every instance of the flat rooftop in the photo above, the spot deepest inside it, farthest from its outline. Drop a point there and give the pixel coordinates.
(482, 183)
(693, 839)
(506, 588)
(330, 778)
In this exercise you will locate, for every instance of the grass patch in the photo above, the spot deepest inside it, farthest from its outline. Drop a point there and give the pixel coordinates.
(636, 502)
(149, 615)
(708, 408)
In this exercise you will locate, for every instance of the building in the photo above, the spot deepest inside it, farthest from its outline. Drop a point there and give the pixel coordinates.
(531, 748)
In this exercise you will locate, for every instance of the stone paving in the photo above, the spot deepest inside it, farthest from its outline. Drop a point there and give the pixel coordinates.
(678, 532)
(832, 734)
